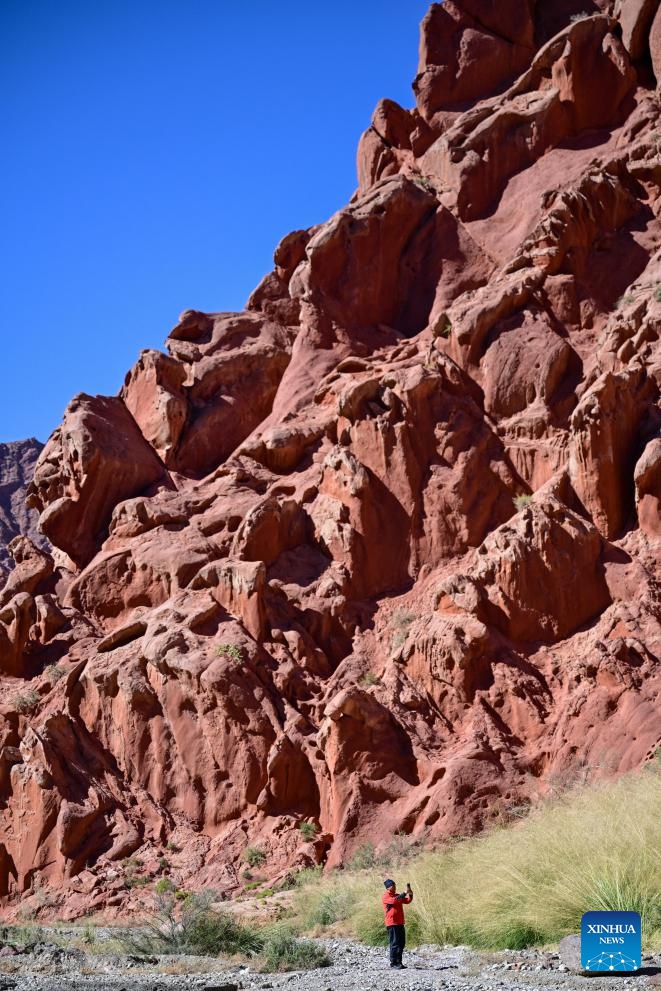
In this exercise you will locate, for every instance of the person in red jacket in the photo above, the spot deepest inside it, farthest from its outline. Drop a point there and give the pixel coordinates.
(393, 911)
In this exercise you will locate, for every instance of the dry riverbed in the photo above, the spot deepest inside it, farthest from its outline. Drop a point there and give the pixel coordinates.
(62, 967)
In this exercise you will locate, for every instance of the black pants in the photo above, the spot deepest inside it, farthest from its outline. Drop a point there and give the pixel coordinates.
(397, 937)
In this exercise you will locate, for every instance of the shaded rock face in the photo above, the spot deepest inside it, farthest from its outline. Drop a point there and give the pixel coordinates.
(381, 552)
(17, 461)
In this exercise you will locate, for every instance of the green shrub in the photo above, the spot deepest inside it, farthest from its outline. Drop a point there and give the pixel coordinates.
(26, 701)
(231, 651)
(194, 927)
(521, 501)
(26, 937)
(137, 880)
(164, 886)
(209, 933)
(308, 875)
(329, 906)
(308, 830)
(364, 857)
(54, 672)
(283, 952)
(254, 856)
(370, 679)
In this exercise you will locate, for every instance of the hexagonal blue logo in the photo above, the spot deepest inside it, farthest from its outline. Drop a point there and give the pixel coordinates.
(610, 942)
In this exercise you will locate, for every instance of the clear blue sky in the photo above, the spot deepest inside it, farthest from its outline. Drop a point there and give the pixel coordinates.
(155, 151)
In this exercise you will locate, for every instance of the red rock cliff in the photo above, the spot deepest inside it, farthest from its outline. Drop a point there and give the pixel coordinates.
(381, 551)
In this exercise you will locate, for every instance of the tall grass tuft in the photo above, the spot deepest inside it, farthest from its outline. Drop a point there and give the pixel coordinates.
(527, 883)
(282, 951)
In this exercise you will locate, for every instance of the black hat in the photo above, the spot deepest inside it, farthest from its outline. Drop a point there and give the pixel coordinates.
(388, 883)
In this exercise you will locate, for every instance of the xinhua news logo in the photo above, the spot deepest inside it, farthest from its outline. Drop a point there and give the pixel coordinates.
(610, 941)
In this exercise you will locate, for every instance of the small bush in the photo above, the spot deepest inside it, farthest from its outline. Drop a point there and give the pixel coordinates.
(231, 651)
(626, 300)
(364, 857)
(54, 673)
(194, 927)
(164, 886)
(444, 330)
(283, 952)
(254, 856)
(521, 501)
(26, 937)
(266, 893)
(209, 933)
(370, 679)
(308, 830)
(657, 294)
(89, 934)
(308, 876)
(334, 905)
(26, 701)
(173, 847)
(423, 181)
(400, 622)
(137, 880)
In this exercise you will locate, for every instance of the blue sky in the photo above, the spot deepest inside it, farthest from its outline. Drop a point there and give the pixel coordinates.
(155, 151)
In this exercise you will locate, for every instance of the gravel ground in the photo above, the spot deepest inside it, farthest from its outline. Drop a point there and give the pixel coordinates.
(355, 967)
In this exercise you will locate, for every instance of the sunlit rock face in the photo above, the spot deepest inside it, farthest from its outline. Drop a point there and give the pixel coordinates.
(381, 552)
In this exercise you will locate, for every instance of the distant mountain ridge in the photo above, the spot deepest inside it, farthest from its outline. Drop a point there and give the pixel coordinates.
(17, 461)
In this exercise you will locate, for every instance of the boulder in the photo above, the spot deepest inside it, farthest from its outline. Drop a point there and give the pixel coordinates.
(569, 951)
(94, 460)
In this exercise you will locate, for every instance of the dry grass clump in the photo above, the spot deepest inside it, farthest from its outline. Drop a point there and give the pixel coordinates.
(525, 884)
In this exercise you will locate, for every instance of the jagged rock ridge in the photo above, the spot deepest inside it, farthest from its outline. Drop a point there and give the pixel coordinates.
(17, 461)
(381, 551)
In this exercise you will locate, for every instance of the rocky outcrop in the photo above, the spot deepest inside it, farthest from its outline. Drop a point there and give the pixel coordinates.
(17, 461)
(380, 553)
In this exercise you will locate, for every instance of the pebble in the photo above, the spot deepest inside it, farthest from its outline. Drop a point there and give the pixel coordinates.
(354, 968)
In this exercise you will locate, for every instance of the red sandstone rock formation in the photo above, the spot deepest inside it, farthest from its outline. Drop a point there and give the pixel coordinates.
(382, 551)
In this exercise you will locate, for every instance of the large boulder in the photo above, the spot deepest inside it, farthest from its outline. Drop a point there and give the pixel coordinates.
(95, 459)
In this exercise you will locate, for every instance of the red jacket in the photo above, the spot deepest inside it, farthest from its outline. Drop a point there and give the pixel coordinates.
(393, 908)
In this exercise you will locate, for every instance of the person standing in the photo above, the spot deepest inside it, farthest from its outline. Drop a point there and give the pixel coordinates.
(393, 910)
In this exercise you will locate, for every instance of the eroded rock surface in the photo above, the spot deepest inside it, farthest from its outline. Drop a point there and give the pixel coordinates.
(381, 552)
(17, 461)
